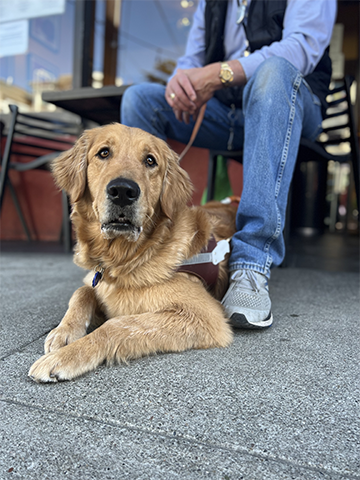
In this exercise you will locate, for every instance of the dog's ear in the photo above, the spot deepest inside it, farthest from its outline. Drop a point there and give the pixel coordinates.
(69, 169)
(177, 187)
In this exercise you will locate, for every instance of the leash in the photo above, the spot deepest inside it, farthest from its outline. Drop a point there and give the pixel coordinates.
(194, 132)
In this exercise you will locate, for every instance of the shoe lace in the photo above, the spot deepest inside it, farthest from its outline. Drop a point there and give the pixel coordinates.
(246, 280)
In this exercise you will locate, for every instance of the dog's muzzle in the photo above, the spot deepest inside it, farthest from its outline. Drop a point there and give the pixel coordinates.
(122, 212)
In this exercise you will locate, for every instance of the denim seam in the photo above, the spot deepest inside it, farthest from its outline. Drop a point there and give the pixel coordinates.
(250, 266)
(295, 89)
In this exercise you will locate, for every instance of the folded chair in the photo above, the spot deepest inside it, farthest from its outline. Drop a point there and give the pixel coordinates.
(36, 141)
(338, 130)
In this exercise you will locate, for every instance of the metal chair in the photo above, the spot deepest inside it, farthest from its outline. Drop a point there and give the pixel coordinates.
(40, 139)
(338, 129)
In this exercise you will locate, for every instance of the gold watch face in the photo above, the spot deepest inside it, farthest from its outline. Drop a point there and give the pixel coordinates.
(226, 74)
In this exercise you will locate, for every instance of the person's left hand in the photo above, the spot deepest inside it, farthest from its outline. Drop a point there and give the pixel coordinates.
(203, 81)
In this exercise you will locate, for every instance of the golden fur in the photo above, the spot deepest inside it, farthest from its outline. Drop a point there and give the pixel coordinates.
(142, 304)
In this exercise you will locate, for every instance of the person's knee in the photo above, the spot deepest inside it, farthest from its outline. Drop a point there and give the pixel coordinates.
(129, 103)
(129, 94)
(270, 79)
(136, 101)
(275, 66)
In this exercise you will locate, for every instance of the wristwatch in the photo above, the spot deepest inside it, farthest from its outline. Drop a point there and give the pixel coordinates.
(226, 74)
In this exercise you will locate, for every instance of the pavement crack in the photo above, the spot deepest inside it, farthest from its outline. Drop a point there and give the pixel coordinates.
(190, 440)
(24, 345)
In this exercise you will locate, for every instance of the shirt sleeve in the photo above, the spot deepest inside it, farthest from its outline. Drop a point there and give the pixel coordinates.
(195, 48)
(308, 26)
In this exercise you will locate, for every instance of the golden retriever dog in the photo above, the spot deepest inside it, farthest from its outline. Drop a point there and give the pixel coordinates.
(134, 229)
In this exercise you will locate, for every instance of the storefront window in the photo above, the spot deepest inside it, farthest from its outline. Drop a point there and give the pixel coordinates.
(152, 35)
(37, 45)
(36, 50)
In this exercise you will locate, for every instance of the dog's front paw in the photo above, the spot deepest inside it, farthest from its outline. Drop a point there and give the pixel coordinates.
(67, 363)
(62, 336)
(42, 370)
(52, 367)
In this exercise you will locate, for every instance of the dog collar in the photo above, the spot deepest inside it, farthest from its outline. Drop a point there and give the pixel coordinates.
(205, 265)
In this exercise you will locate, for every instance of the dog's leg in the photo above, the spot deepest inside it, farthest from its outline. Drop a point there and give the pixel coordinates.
(79, 316)
(130, 337)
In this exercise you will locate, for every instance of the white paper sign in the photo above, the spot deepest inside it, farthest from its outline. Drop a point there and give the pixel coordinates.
(11, 10)
(14, 38)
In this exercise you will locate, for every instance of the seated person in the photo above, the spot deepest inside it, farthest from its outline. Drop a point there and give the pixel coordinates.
(263, 68)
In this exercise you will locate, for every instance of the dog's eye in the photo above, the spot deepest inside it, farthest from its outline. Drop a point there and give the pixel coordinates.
(150, 161)
(104, 153)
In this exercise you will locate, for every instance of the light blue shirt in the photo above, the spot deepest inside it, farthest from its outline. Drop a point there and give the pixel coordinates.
(308, 26)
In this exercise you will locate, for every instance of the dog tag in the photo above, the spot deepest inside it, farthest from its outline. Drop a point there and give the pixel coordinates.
(96, 279)
(98, 276)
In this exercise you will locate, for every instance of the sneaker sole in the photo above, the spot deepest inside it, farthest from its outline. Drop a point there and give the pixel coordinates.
(238, 320)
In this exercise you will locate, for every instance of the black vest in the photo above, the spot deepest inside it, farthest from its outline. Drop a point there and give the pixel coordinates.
(264, 26)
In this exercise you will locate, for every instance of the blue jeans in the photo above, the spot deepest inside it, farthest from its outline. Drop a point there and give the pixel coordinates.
(278, 108)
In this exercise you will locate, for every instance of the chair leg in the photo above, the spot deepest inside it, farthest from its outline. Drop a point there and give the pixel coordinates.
(211, 176)
(66, 223)
(19, 211)
(355, 166)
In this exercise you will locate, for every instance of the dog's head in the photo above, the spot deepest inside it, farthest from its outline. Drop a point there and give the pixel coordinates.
(126, 176)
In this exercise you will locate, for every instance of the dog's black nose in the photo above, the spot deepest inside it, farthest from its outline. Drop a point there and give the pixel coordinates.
(123, 191)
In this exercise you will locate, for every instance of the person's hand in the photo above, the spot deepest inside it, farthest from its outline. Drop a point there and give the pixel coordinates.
(205, 82)
(181, 96)
(189, 89)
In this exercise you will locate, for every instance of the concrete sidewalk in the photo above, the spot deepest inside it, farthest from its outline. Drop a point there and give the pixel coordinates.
(277, 404)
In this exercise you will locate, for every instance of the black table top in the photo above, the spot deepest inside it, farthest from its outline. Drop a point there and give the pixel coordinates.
(101, 105)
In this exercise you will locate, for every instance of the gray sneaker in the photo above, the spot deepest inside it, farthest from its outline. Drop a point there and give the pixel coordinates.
(247, 302)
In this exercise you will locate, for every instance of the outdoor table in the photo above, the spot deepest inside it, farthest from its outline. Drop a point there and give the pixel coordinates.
(101, 105)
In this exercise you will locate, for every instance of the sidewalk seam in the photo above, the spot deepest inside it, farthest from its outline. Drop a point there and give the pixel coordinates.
(21, 347)
(191, 440)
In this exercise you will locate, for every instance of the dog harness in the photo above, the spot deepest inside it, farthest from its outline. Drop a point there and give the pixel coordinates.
(205, 265)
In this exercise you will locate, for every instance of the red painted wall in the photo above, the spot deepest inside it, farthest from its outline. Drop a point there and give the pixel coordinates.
(41, 201)
(196, 164)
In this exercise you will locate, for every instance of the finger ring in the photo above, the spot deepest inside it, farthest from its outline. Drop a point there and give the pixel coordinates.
(172, 95)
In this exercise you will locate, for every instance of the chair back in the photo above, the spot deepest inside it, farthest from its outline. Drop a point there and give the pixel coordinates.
(33, 137)
(38, 135)
(339, 132)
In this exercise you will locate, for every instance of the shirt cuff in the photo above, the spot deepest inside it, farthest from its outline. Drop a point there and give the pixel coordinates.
(251, 63)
